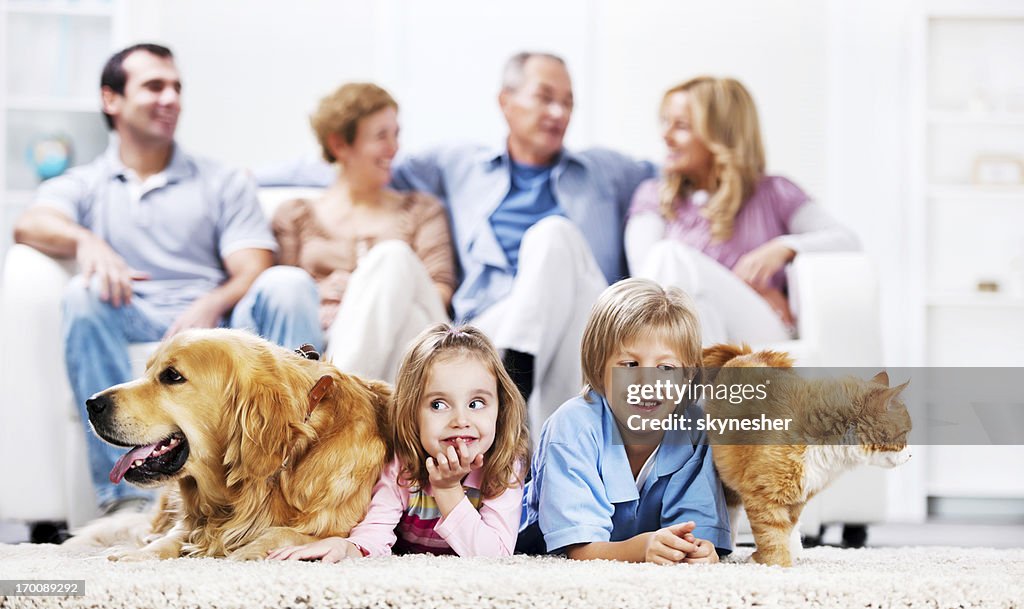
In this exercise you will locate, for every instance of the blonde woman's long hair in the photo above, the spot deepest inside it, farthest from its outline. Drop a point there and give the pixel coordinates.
(507, 460)
(724, 118)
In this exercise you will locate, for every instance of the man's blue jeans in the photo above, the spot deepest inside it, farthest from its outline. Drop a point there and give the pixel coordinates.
(282, 306)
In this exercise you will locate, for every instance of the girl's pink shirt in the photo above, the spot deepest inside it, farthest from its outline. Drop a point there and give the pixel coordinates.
(491, 531)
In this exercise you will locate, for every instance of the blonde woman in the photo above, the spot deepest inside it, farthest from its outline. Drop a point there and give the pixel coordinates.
(715, 225)
(382, 260)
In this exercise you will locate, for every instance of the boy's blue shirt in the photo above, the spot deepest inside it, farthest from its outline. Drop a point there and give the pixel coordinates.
(582, 489)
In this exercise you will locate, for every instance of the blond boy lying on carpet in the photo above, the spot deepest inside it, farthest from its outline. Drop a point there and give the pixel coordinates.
(458, 429)
(601, 490)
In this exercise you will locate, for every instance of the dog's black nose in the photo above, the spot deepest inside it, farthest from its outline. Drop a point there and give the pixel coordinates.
(97, 404)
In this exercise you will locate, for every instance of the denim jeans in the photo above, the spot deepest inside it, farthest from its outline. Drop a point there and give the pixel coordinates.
(282, 306)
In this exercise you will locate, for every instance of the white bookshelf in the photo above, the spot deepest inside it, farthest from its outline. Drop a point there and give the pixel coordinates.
(966, 235)
(51, 55)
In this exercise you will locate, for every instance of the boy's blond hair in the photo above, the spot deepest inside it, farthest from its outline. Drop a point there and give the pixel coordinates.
(634, 309)
(508, 458)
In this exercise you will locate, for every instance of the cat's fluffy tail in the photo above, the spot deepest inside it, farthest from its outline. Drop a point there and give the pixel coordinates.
(717, 356)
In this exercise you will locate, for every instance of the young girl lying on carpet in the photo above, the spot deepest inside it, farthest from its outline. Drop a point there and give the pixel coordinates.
(599, 489)
(458, 427)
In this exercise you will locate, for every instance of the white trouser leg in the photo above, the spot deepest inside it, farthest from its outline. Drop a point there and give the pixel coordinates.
(729, 309)
(547, 310)
(389, 300)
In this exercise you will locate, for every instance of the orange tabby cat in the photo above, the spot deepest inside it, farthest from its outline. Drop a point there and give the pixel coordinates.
(836, 424)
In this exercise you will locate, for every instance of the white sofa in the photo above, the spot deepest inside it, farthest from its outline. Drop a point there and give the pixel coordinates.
(44, 475)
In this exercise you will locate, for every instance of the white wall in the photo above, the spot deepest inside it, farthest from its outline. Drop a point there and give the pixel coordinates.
(868, 147)
(254, 69)
(775, 48)
(867, 177)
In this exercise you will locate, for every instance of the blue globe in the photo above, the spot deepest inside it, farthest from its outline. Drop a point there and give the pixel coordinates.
(49, 155)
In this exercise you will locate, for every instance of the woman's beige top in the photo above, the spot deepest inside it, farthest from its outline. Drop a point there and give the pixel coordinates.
(327, 238)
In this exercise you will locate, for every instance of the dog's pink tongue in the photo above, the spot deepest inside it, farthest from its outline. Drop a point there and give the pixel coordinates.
(125, 462)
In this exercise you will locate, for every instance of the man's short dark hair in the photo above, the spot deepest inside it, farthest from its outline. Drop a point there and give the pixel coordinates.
(114, 77)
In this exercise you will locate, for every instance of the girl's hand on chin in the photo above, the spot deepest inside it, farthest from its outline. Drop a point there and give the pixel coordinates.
(447, 469)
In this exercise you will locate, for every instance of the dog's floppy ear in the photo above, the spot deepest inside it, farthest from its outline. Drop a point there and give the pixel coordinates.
(268, 399)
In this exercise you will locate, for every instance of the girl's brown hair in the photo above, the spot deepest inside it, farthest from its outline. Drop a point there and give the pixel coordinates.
(508, 458)
(724, 118)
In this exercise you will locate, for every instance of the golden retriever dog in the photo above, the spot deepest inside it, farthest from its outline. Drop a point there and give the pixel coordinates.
(268, 448)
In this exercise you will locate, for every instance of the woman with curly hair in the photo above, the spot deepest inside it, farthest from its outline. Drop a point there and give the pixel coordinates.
(716, 225)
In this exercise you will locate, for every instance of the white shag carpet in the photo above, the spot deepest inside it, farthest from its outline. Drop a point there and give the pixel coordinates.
(823, 577)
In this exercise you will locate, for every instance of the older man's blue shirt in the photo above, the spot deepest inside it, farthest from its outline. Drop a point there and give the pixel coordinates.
(593, 189)
(528, 201)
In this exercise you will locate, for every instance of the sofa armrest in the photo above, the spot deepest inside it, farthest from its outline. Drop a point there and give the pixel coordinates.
(836, 301)
(37, 407)
(30, 315)
(28, 266)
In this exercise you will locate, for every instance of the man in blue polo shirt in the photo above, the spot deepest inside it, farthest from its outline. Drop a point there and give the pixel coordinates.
(164, 241)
